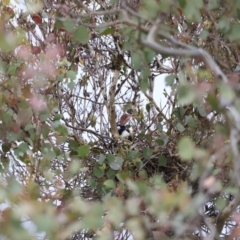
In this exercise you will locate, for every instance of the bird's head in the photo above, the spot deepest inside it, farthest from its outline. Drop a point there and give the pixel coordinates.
(125, 132)
(124, 119)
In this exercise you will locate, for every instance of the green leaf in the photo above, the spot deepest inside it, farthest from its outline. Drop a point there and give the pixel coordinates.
(44, 115)
(92, 183)
(62, 130)
(98, 172)
(192, 10)
(71, 85)
(58, 117)
(73, 145)
(69, 24)
(109, 183)
(144, 85)
(57, 151)
(160, 142)
(116, 164)
(21, 149)
(14, 136)
(224, 24)
(46, 147)
(31, 130)
(23, 146)
(123, 175)
(179, 112)
(83, 151)
(108, 31)
(180, 127)
(111, 173)
(110, 158)
(204, 34)
(160, 127)
(12, 69)
(71, 74)
(149, 55)
(153, 7)
(60, 77)
(201, 110)
(221, 203)
(133, 154)
(164, 137)
(147, 153)
(216, 171)
(192, 122)
(226, 92)
(49, 155)
(136, 61)
(186, 94)
(44, 224)
(169, 80)
(5, 147)
(6, 2)
(29, 127)
(7, 117)
(186, 149)
(24, 104)
(182, 3)
(93, 219)
(3, 66)
(81, 35)
(101, 158)
(56, 124)
(148, 107)
(234, 33)
(75, 167)
(5, 45)
(213, 4)
(162, 161)
(213, 102)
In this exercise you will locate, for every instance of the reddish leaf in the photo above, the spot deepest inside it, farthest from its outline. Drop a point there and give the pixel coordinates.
(61, 29)
(180, 11)
(9, 11)
(36, 50)
(37, 18)
(13, 103)
(15, 128)
(26, 91)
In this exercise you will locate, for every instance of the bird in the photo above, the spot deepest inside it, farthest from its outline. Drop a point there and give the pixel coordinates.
(123, 130)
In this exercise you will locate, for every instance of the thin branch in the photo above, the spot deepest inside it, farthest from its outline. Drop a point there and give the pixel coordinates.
(189, 51)
(111, 105)
(85, 130)
(156, 106)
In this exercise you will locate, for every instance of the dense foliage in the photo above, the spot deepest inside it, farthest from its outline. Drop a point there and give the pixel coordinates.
(70, 69)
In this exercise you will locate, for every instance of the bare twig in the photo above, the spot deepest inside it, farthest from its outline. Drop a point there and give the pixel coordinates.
(156, 106)
(111, 105)
(188, 51)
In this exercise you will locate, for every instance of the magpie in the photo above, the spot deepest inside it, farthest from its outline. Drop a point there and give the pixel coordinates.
(123, 130)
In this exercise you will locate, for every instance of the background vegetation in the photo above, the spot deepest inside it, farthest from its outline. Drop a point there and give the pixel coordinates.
(70, 69)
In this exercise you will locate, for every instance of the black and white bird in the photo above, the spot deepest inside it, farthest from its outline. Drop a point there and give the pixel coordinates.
(123, 130)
